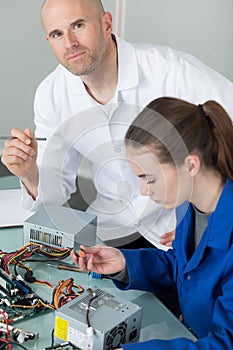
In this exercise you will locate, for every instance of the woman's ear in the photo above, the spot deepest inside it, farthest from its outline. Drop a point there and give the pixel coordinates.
(193, 164)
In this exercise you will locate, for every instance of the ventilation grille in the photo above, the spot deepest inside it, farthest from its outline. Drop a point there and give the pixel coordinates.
(102, 298)
(116, 337)
(46, 238)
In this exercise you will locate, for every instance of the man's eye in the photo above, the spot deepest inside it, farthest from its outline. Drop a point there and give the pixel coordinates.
(56, 35)
(78, 25)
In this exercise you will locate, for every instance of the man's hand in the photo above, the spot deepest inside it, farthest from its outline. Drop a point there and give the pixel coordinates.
(19, 156)
(167, 238)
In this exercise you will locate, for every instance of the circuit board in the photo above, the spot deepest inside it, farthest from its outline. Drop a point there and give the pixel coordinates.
(63, 346)
(17, 299)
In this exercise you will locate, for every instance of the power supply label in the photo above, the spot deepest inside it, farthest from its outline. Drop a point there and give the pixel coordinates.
(80, 339)
(61, 328)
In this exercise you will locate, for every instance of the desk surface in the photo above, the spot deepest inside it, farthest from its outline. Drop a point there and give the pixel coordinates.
(157, 321)
(7, 182)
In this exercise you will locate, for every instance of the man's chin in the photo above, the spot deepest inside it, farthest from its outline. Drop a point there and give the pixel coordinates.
(79, 71)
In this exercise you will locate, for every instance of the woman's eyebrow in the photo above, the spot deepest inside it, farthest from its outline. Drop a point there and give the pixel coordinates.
(144, 175)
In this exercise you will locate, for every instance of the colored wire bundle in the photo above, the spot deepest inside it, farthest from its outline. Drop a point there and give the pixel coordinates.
(64, 292)
(17, 258)
(19, 298)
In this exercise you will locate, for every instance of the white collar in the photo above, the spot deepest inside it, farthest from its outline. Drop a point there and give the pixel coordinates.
(128, 75)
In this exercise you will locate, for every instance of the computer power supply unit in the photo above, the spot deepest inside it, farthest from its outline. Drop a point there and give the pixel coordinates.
(59, 226)
(114, 321)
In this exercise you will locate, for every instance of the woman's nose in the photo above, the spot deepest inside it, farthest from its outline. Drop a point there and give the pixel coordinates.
(144, 189)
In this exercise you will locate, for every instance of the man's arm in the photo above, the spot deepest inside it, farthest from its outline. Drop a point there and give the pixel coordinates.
(168, 238)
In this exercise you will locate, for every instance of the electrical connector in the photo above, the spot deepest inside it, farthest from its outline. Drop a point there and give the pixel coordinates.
(29, 277)
(90, 331)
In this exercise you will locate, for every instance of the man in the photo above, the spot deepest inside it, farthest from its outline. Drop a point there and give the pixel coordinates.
(85, 107)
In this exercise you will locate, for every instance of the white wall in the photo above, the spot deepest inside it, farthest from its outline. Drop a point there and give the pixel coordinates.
(201, 27)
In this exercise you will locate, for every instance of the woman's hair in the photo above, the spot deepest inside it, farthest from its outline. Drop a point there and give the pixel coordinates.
(173, 128)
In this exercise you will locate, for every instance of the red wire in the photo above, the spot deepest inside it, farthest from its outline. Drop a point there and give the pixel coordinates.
(7, 330)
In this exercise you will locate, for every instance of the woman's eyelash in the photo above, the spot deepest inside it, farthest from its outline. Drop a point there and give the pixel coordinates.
(152, 181)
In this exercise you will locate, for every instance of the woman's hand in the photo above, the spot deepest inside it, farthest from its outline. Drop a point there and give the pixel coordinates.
(99, 259)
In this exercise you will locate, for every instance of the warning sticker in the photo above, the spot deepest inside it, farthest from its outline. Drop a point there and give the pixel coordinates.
(61, 328)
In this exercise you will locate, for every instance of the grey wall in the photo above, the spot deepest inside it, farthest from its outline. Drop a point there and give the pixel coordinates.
(202, 28)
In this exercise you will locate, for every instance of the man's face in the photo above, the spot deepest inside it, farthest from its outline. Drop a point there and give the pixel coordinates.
(78, 34)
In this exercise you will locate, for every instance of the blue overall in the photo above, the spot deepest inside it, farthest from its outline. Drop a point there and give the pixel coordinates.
(203, 278)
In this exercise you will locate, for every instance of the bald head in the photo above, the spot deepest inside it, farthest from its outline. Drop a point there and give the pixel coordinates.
(97, 4)
(79, 33)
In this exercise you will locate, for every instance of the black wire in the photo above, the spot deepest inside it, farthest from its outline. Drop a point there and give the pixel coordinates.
(3, 344)
(15, 269)
(88, 309)
(49, 259)
(44, 260)
(12, 343)
(52, 336)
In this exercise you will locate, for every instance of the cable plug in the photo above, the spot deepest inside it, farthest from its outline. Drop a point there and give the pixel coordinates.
(90, 291)
(90, 331)
(29, 277)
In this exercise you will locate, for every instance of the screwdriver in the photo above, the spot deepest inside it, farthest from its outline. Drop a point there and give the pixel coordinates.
(76, 269)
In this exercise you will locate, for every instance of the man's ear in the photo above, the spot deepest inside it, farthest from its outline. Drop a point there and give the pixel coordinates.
(193, 164)
(107, 22)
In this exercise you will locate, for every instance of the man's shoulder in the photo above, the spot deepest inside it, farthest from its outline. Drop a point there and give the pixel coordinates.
(58, 75)
(58, 83)
(160, 52)
(165, 56)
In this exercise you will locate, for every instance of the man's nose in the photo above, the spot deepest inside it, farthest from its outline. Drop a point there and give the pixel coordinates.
(71, 39)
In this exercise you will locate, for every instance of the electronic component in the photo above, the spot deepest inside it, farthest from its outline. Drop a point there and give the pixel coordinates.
(98, 320)
(63, 346)
(60, 226)
(6, 283)
(17, 300)
(18, 334)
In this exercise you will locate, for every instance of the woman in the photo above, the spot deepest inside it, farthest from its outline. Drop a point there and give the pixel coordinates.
(183, 157)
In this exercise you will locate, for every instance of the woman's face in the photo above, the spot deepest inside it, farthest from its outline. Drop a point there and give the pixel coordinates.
(166, 184)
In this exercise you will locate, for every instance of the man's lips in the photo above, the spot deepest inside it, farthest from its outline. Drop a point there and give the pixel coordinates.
(75, 56)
